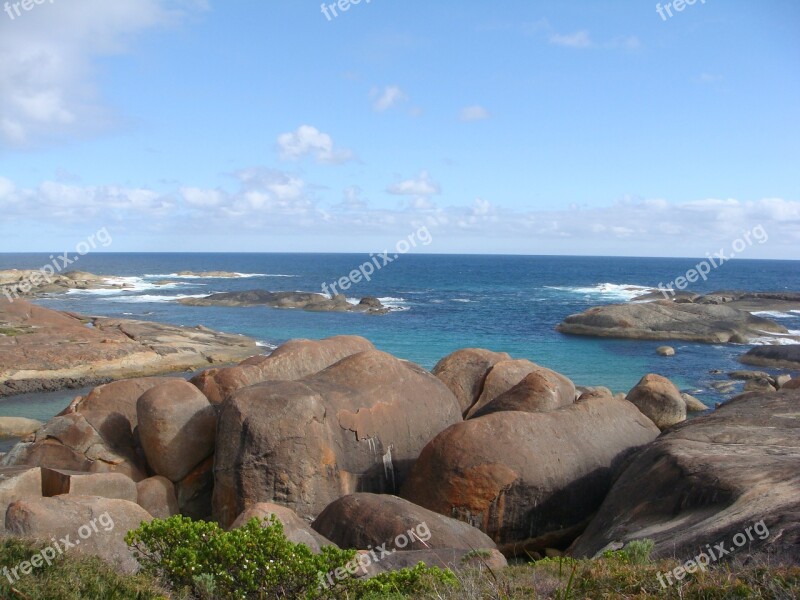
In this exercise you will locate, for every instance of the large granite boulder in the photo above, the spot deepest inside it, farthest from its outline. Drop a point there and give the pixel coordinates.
(356, 426)
(708, 480)
(17, 483)
(157, 496)
(85, 524)
(56, 482)
(293, 360)
(294, 528)
(546, 390)
(16, 427)
(464, 372)
(659, 399)
(177, 428)
(666, 320)
(785, 356)
(361, 521)
(522, 477)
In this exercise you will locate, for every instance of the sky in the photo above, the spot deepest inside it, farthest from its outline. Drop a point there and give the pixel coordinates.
(583, 127)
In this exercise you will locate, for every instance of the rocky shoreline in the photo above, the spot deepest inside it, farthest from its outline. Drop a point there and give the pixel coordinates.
(495, 455)
(298, 300)
(43, 349)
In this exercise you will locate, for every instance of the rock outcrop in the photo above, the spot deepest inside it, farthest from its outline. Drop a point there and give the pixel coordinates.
(784, 356)
(522, 477)
(464, 372)
(659, 400)
(710, 479)
(356, 426)
(300, 300)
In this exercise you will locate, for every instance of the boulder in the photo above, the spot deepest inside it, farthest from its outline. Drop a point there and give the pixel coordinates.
(177, 428)
(293, 360)
(464, 372)
(693, 404)
(782, 380)
(792, 384)
(157, 496)
(17, 427)
(356, 426)
(362, 521)
(194, 491)
(658, 399)
(539, 391)
(667, 320)
(759, 385)
(86, 524)
(296, 529)
(550, 389)
(106, 485)
(710, 479)
(779, 356)
(17, 483)
(665, 351)
(521, 476)
(70, 442)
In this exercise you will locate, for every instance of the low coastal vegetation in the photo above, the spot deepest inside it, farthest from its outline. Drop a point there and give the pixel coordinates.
(622, 574)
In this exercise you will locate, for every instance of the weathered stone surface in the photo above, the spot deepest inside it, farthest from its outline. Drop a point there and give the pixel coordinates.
(539, 391)
(300, 300)
(70, 442)
(783, 356)
(293, 360)
(296, 529)
(49, 349)
(17, 483)
(693, 404)
(194, 491)
(455, 559)
(97, 526)
(464, 372)
(519, 476)
(709, 479)
(361, 521)
(666, 320)
(157, 496)
(177, 428)
(18, 426)
(356, 426)
(107, 485)
(547, 390)
(658, 399)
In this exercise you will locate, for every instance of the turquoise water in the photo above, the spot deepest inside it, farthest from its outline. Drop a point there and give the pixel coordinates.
(441, 303)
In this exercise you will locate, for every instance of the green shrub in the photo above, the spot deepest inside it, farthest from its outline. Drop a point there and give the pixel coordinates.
(636, 552)
(257, 561)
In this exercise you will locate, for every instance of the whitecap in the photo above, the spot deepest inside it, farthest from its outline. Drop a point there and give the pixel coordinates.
(621, 291)
(461, 300)
(147, 298)
(773, 314)
(238, 275)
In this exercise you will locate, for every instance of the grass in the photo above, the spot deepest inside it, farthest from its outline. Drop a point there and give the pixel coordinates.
(617, 576)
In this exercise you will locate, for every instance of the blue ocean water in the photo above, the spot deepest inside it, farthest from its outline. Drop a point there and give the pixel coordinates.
(441, 302)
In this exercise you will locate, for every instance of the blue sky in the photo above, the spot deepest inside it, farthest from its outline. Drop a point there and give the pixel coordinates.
(583, 127)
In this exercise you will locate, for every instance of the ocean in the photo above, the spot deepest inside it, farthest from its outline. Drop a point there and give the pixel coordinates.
(439, 303)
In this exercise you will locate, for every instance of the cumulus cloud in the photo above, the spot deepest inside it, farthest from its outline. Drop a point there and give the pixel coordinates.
(579, 39)
(46, 54)
(422, 185)
(310, 141)
(387, 98)
(474, 113)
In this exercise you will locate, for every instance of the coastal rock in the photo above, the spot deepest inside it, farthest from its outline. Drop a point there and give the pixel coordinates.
(665, 351)
(539, 391)
(464, 373)
(29, 283)
(157, 496)
(658, 399)
(50, 349)
(356, 426)
(782, 380)
(759, 385)
(455, 559)
(521, 476)
(177, 428)
(96, 526)
(666, 320)
(300, 300)
(293, 360)
(710, 479)
(792, 384)
(107, 485)
(195, 490)
(70, 442)
(783, 357)
(547, 389)
(295, 528)
(693, 404)
(18, 426)
(17, 483)
(362, 521)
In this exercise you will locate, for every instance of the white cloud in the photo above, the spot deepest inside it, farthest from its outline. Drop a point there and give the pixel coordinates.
(308, 140)
(423, 185)
(579, 39)
(387, 98)
(47, 87)
(474, 113)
